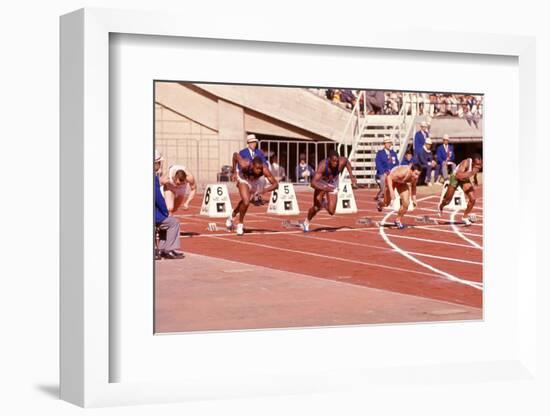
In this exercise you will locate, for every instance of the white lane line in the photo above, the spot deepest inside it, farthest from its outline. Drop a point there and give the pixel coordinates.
(391, 250)
(324, 256)
(441, 273)
(344, 229)
(460, 234)
(428, 240)
(435, 210)
(437, 203)
(440, 230)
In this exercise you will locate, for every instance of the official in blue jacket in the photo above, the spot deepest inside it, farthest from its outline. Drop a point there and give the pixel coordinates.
(420, 138)
(169, 228)
(446, 157)
(251, 150)
(425, 158)
(386, 160)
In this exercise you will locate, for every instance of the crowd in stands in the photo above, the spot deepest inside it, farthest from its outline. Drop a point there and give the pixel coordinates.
(467, 106)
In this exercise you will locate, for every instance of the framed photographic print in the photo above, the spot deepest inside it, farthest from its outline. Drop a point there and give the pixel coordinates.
(281, 214)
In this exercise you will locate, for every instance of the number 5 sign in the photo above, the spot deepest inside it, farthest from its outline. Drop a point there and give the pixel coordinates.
(283, 201)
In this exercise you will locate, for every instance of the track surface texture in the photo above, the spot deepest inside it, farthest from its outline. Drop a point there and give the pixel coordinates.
(340, 273)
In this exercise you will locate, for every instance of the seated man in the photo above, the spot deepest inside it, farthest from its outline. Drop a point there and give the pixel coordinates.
(408, 159)
(169, 228)
(445, 157)
(276, 170)
(304, 172)
(426, 160)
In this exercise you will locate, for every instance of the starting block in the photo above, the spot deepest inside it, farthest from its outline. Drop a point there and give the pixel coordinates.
(458, 201)
(396, 206)
(346, 199)
(426, 219)
(283, 201)
(368, 222)
(216, 202)
(291, 224)
(212, 226)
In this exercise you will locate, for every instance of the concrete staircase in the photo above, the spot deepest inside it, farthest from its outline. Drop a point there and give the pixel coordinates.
(370, 141)
(364, 136)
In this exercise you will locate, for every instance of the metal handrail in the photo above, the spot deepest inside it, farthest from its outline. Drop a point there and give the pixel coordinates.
(355, 116)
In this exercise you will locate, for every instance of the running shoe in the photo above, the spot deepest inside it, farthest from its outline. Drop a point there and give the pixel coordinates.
(472, 217)
(240, 229)
(229, 223)
(379, 206)
(439, 211)
(399, 225)
(466, 222)
(305, 226)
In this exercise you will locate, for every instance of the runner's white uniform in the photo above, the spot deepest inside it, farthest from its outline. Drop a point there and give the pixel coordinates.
(180, 190)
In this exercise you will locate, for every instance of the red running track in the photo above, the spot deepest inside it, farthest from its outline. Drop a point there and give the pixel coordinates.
(434, 261)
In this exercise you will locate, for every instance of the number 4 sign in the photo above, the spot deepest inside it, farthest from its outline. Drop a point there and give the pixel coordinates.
(346, 200)
(283, 200)
(216, 202)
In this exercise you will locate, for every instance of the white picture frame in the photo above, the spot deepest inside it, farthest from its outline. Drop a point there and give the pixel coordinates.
(85, 354)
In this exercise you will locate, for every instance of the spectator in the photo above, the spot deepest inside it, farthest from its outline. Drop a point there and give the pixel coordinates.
(420, 138)
(408, 159)
(276, 170)
(375, 101)
(392, 103)
(348, 98)
(425, 159)
(169, 228)
(473, 117)
(424, 104)
(445, 157)
(386, 160)
(304, 172)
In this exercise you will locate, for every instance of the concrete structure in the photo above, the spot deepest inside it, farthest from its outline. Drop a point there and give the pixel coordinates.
(201, 125)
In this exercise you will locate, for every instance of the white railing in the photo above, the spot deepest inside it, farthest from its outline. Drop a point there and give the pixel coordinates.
(353, 126)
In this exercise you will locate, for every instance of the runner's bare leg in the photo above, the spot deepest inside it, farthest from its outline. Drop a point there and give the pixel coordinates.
(332, 201)
(317, 204)
(169, 198)
(244, 190)
(405, 198)
(470, 192)
(447, 198)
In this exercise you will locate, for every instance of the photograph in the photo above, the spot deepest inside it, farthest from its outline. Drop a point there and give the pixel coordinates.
(280, 207)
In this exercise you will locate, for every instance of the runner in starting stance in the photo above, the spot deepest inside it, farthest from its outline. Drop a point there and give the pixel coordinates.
(399, 178)
(250, 184)
(325, 182)
(462, 176)
(177, 183)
